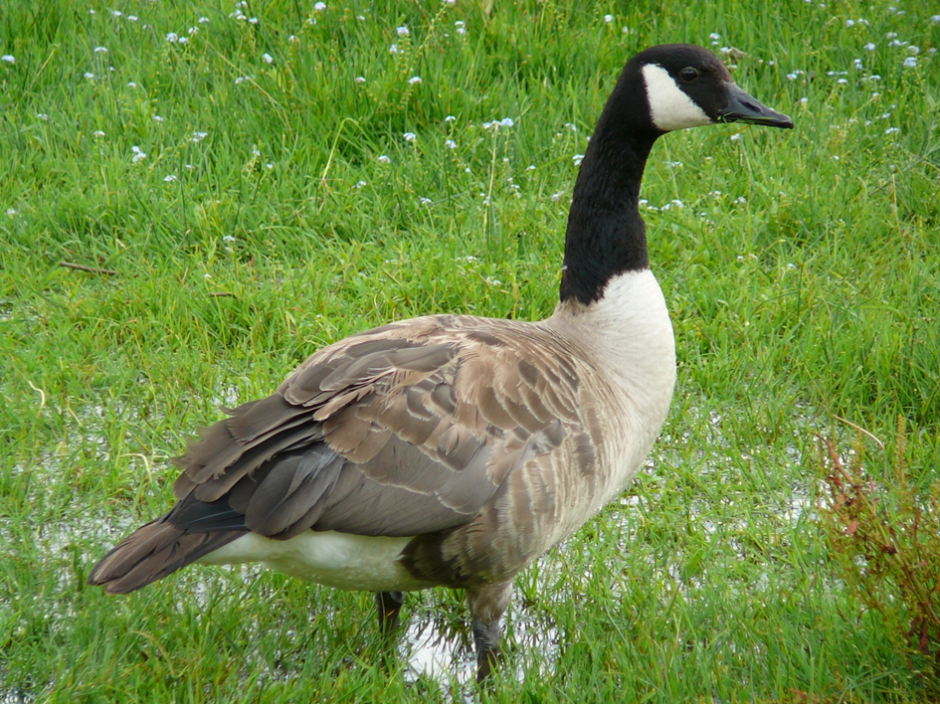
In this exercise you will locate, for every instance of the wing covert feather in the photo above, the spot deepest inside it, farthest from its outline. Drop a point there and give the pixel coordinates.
(408, 429)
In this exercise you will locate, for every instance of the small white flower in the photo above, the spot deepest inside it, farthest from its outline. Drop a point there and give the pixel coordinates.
(157, 118)
(892, 130)
(320, 6)
(804, 101)
(253, 20)
(843, 81)
(714, 36)
(8, 59)
(169, 178)
(192, 30)
(138, 154)
(292, 38)
(935, 19)
(199, 136)
(89, 76)
(725, 50)
(361, 184)
(414, 79)
(11, 213)
(184, 40)
(360, 79)
(857, 63)
(891, 35)
(228, 238)
(608, 18)
(402, 31)
(577, 159)
(393, 49)
(98, 133)
(530, 167)
(850, 23)
(450, 144)
(461, 27)
(450, 2)
(735, 137)
(506, 122)
(268, 59)
(425, 201)
(189, 167)
(132, 85)
(384, 159)
(42, 116)
(241, 79)
(132, 18)
(913, 49)
(100, 50)
(203, 20)
(555, 197)
(741, 199)
(450, 118)
(410, 136)
(910, 62)
(172, 37)
(114, 13)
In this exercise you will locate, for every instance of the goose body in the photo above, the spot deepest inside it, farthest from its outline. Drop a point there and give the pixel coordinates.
(453, 450)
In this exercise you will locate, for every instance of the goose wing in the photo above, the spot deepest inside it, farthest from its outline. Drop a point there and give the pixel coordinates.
(404, 430)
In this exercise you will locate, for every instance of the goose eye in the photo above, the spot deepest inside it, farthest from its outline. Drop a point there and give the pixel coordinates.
(688, 73)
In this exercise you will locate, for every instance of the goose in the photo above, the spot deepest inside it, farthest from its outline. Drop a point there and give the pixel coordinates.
(453, 450)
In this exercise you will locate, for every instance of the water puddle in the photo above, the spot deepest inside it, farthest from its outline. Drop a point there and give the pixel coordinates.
(436, 645)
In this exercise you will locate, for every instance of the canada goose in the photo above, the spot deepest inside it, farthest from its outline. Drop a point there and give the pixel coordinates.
(451, 450)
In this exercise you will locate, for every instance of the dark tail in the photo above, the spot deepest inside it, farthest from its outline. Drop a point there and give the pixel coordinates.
(163, 546)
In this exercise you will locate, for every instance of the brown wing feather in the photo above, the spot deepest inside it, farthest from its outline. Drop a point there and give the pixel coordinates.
(409, 429)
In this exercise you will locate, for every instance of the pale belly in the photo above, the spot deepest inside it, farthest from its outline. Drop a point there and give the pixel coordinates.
(338, 560)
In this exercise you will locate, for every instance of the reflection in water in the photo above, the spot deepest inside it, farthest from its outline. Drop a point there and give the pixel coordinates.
(441, 649)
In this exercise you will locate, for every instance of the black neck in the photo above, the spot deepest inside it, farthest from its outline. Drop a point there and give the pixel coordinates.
(606, 235)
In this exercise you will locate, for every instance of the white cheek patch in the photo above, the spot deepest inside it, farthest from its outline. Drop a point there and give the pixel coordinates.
(670, 108)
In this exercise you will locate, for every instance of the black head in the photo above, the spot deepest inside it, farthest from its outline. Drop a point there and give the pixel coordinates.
(688, 86)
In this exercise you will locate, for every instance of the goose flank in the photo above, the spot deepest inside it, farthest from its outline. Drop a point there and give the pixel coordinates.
(452, 450)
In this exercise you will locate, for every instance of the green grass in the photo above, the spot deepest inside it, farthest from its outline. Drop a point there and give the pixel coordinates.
(802, 272)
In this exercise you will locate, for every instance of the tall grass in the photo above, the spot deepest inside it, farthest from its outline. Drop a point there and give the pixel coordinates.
(801, 270)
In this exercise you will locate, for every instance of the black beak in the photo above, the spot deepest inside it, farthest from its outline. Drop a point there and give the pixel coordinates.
(743, 108)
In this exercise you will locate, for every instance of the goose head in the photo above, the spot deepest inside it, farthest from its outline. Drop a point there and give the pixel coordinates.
(688, 86)
(662, 89)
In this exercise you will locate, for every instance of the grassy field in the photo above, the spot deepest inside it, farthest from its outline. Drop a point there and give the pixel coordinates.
(248, 182)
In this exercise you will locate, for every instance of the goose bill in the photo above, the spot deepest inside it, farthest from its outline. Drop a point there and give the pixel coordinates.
(743, 108)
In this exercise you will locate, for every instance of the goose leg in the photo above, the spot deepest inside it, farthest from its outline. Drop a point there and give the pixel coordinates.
(487, 606)
(389, 605)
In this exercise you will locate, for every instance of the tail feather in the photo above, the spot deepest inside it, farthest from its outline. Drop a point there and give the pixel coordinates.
(153, 552)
